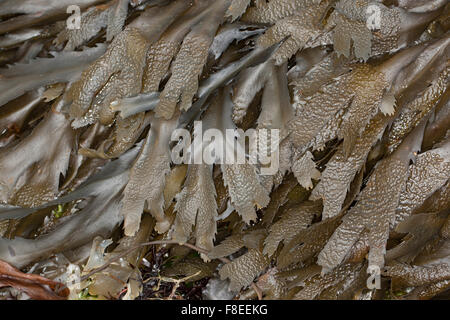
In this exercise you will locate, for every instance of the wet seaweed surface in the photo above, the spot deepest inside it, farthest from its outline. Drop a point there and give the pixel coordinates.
(93, 205)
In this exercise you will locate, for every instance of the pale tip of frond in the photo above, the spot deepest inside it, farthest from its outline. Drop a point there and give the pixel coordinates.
(387, 106)
(115, 105)
(205, 258)
(305, 171)
(131, 227)
(162, 226)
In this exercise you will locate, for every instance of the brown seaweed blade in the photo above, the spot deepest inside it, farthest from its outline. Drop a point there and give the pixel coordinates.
(354, 95)
(196, 205)
(147, 178)
(63, 67)
(99, 216)
(375, 209)
(189, 62)
(244, 269)
(299, 29)
(42, 160)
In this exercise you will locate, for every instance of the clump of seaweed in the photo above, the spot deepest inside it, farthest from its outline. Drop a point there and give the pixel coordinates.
(92, 198)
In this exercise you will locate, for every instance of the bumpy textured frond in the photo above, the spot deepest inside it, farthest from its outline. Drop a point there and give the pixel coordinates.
(292, 221)
(299, 29)
(196, 205)
(243, 270)
(251, 239)
(237, 8)
(227, 247)
(437, 202)
(116, 18)
(427, 175)
(363, 103)
(31, 170)
(316, 110)
(363, 107)
(164, 49)
(317, 284)
(340, 171)
(307, 243)
(416, 276)
(429, 291)
(188, 64)
(147, 178)
(118, 73)
(92, 21)
(273, 10)
(245, 190)
(414, 112)
(278, 198)
(375, 209)
(305, 170)
(331, 66)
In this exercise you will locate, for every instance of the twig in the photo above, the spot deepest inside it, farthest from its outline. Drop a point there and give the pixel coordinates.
(177, 282)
